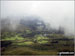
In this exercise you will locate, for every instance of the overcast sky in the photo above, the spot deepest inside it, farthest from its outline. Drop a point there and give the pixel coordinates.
(55, 12)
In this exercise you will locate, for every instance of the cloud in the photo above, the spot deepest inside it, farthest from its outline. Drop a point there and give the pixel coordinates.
(57, 13)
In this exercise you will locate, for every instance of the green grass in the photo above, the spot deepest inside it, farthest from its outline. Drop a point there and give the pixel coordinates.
(41, 37)
(42, 42)
(23, 43)
(28, 46)
(27, 51)
(14, 38)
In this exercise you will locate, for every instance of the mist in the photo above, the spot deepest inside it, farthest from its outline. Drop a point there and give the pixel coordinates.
(56, 13)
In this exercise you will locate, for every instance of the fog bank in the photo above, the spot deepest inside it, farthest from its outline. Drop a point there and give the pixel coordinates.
(56, 13)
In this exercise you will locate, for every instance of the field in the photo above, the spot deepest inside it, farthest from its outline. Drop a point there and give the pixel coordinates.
(34, 37)
(38, 45)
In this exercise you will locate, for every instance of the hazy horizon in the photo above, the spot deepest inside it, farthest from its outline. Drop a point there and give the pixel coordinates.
(56, 13)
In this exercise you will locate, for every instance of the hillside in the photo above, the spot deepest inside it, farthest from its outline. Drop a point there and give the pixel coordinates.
(33, 36)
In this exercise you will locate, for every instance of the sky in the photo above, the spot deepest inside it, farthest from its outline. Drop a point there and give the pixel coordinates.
(57, 13)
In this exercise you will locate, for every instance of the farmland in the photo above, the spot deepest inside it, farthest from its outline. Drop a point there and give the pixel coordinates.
(31, 38)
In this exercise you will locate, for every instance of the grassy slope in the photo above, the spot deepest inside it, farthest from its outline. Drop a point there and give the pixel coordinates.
(27, 51)
(22, 46)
